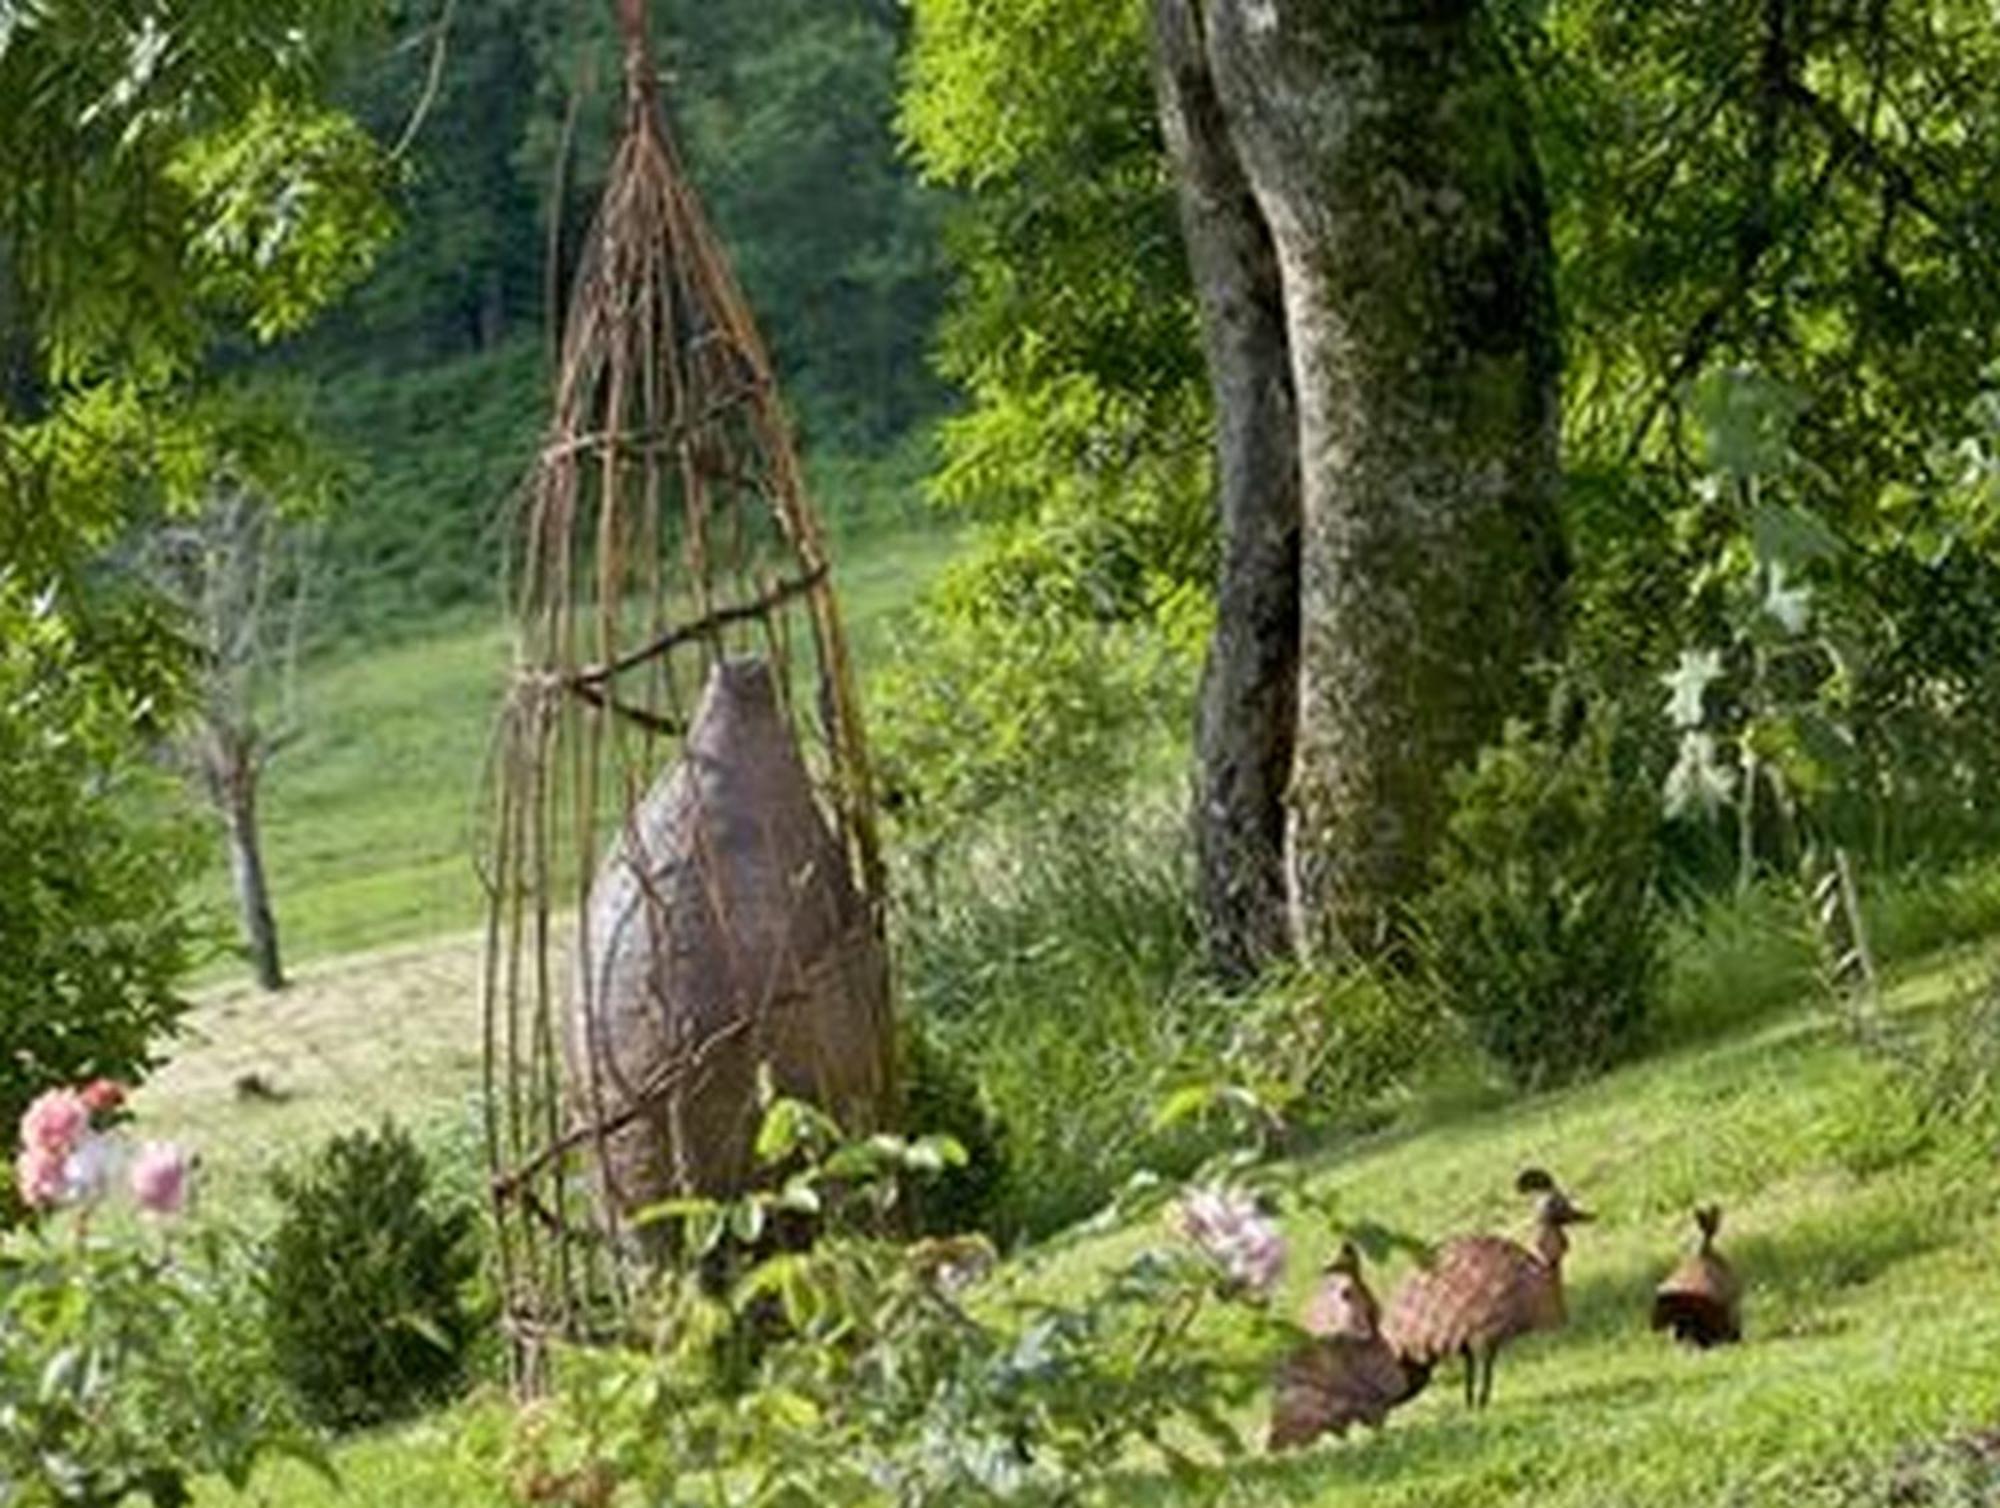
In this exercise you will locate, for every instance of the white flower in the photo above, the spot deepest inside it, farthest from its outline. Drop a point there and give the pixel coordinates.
(1790, 605)
(87, 1170)
(1698, 778)
(1688, 682)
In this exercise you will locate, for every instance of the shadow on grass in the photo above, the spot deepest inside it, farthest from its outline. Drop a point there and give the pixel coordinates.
(1792, 1274)
(1821, 1254)
(1429, 1446)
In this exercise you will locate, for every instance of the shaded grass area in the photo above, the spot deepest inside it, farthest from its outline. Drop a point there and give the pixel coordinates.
(1061, 969)
(371, 819)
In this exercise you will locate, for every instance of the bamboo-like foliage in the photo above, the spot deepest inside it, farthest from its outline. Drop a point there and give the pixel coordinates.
(665, 528)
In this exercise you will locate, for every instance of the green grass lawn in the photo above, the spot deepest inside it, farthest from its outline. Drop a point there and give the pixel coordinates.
(370, 819)
(1873, 1311)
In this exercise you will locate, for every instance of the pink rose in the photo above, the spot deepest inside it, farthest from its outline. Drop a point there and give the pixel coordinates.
(159, 1178)
(1238, 1237)
(38, 1174)
(54, 1121)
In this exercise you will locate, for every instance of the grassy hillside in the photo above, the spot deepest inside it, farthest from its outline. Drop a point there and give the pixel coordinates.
(1872, 1323)
(1870, 1311)
(370, 817)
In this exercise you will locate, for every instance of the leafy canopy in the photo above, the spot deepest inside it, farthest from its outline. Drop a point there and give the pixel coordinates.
(170, 174)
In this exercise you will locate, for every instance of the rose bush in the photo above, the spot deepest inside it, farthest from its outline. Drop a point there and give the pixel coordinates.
(128, 1367)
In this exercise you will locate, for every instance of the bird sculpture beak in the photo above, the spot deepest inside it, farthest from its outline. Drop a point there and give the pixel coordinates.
(1574, 1216)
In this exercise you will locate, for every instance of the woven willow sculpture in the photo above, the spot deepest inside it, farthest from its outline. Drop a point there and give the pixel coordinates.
(683, 875)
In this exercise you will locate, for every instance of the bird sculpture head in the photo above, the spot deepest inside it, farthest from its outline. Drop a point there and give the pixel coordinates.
(1708, 1219)
(1553, 1211)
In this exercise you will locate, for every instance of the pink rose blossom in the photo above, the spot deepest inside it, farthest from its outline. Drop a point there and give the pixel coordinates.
(54, 1121)
(159, 1178)
(38, 1174)
(102, 1096)
(1238, 1237)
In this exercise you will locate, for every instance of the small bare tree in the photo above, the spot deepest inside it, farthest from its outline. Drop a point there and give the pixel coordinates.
(238, 568)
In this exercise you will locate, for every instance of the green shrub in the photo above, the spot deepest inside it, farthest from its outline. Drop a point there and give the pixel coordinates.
(1328, 1049)
(365, 1299)
(1922, 909)
(1734, 956)
(1017, 695)
(1060, 964)
(1543, 932)
(1935, 1091)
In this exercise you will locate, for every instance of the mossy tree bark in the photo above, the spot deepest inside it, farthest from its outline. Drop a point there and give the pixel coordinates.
(1249, 694)
(1388, 152)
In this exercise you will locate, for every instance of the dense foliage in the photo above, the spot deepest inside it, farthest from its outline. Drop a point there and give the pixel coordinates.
(165, 183)
(91, 918)
(1796, 190)
(434, 373)
(1059, 969)
(365, 1289)
(1075, 620)
(864, 1371)
(169, 178)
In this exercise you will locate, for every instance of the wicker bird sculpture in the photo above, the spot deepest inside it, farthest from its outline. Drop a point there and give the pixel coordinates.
(1701, 1300)
(1479, 1292)
(1346, 1373)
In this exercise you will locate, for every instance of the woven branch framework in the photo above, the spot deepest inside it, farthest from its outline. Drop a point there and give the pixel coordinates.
(666, 534)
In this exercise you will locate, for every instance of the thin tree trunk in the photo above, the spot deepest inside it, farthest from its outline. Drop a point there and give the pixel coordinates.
(235, 787)
(1388, 147)
(1249, 692)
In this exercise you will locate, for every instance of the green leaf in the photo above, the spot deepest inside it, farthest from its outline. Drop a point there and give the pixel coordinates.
(424, 1326)
(799, 1197)
(1746, 420)
(1184, 1104)
(934, 1153)
(1791, 536)
(789, 1409)
(746, 1221)
(792, 1127)
(62, 1373)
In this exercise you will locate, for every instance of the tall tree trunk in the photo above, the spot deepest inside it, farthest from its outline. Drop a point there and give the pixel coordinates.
(1249, 694)
(1388, 147)
(233, 782)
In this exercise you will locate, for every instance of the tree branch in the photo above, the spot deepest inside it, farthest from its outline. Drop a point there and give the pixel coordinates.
(433, 81)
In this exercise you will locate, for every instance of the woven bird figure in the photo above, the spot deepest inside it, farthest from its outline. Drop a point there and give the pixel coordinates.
(1346, 1373)
(1701, 1300)
(1479, 1292)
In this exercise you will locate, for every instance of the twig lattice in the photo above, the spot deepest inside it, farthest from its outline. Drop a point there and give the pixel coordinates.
(665, 530)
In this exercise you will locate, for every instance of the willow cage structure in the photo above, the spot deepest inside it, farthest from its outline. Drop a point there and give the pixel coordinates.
(684, 885)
